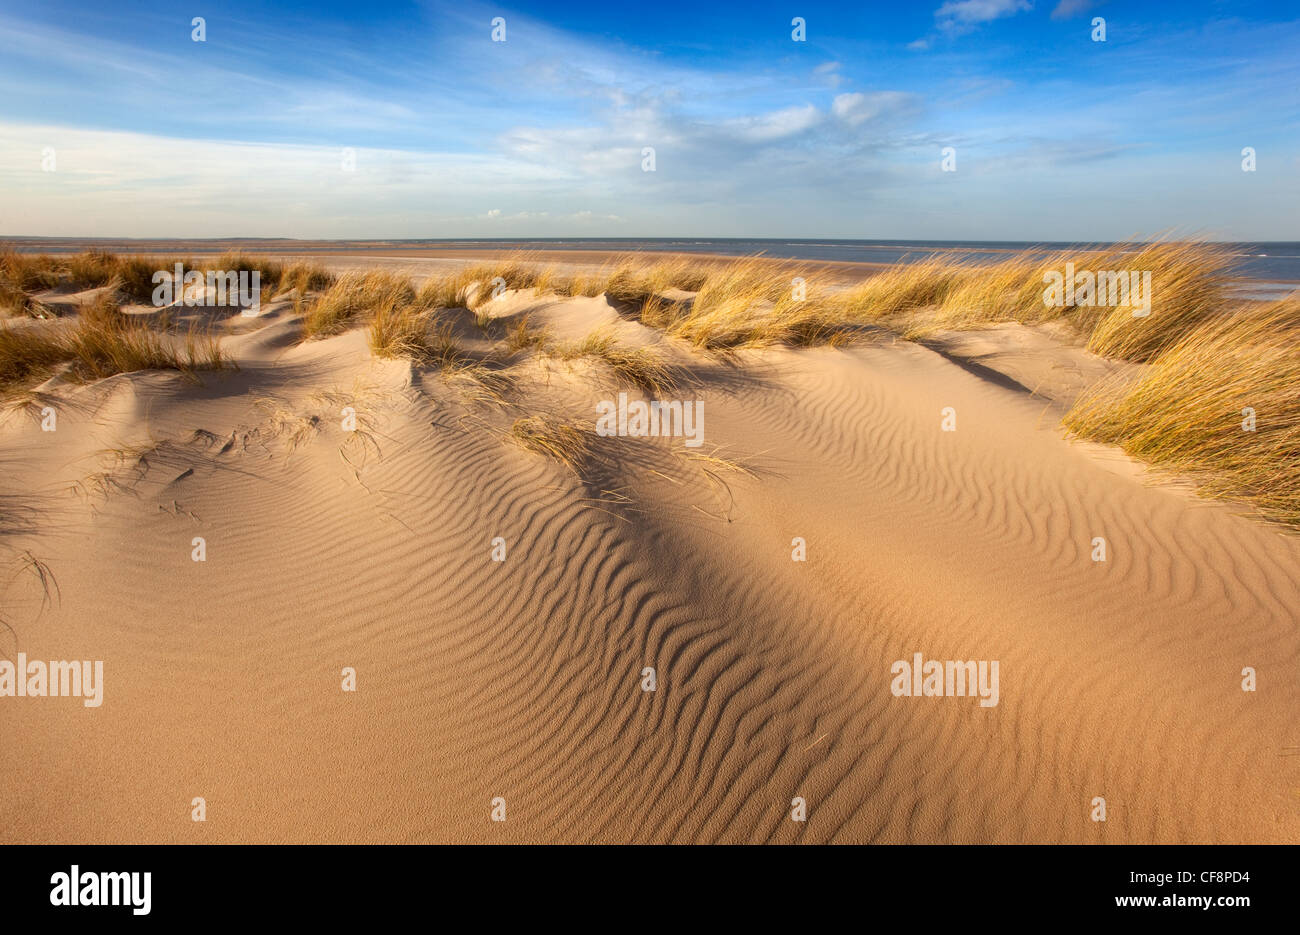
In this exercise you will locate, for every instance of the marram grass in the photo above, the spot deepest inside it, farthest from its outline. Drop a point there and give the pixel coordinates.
(565, 441)
(132, 277)
(353, 299)
(101, 342)
(1188, 285)
(1221, 404)
(407, 331)
(640, 367)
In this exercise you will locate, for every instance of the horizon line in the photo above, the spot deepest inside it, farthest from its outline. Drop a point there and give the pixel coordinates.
(788, 239)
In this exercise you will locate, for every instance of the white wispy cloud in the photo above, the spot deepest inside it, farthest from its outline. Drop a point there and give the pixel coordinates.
(1068, 8)
(961, 14)
(858, 107)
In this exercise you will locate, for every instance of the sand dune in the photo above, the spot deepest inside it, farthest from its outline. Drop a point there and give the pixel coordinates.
(522, 679)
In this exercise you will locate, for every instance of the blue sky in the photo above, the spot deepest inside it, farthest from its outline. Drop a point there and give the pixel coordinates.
(1057, 137)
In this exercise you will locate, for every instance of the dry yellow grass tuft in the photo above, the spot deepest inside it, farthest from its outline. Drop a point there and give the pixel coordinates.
(132, 277)
(27, 271)
(420, 335)
(13, 300)
(100, 343)
(473, 286)
(522, 336)
(899, 289)
(747, 303)
(271, 272)
(640, 367)
(567, 442)
(354, 298)
(303, 277)
(412, 332)
(29, 354)
(1188, 284)
(636, 279)
(443, 292)
(1192, 409)
(480, 382)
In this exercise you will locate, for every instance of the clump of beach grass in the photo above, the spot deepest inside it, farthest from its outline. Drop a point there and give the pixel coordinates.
(132, 277)
(105, 342)
(480, 381)
(100, 343)
(275, 277)
(354, 298)
(903, 288)
(565, 441)
(585, 284)
(447, 291)
(1190, 411)
(28, 354)
(1188, 285)
(13, 300)
(404, 330)
(422, 336)
(92, 268)
(748, 303)
(270, 272)
(522, 336)
(28, 271)
(628, 278)
(635, 279)
(640, 367)
(472, 286)
(304, 277)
